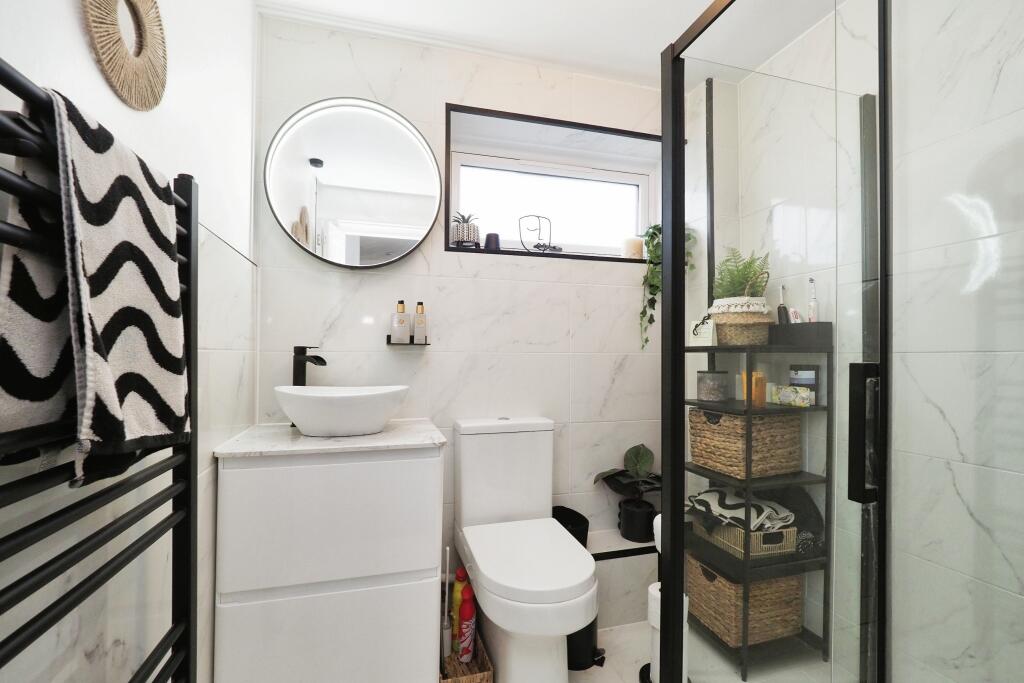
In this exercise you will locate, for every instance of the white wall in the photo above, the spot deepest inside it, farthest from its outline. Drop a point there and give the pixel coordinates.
(202, 127)
(958, 340)
(510, 335)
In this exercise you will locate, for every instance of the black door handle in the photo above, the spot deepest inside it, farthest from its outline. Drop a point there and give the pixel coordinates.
(865, 444)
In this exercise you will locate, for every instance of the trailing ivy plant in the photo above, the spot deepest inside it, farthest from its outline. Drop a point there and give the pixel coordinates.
(737, 275)
(652, 282)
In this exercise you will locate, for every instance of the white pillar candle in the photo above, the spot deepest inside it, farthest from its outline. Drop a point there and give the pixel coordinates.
(633, 247)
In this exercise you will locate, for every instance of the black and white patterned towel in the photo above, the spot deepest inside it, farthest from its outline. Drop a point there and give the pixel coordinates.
(101, 341)
(727, 506)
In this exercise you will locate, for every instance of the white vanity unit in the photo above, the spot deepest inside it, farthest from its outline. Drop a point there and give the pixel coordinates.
(328, 556)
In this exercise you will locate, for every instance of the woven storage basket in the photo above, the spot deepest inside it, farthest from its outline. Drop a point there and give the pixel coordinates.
(762, 543)
(477, 671)
(719, 442)
(742, 329)
(776, 605)
(743, 320)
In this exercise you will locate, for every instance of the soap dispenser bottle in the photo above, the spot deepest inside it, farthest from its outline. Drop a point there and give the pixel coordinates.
(400, 329)
(419, 325)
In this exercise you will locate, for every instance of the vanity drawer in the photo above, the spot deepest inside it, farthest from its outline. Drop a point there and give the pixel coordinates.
(307, 519)
(385, 634)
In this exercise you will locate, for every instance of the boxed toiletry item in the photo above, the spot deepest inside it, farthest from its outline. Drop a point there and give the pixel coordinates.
(479, 670)
(718, 441)
(776, 605)
(799, 397)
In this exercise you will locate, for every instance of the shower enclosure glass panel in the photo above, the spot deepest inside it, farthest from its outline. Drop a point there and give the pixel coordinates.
(781, 154)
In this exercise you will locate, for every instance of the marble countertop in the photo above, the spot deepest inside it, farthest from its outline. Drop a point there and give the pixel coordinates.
(282, 439)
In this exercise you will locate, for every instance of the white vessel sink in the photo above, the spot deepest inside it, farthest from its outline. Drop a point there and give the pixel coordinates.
(340, 411)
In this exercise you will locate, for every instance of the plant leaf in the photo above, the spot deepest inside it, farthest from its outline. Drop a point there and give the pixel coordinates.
(638, 461)
(607, 473)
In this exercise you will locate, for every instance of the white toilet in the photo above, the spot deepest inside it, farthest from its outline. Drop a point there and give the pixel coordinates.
(533, 582)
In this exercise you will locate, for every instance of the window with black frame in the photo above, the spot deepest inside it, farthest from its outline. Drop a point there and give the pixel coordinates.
(527, 185)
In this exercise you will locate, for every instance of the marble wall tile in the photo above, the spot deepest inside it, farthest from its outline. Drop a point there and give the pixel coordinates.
(959, 66)
(499, 316)
(962, 517)
(964, 189)
(962, 407)
(616, 104)
(811, 58)
(962, 628)
(227, 295)
(695, 160)
(489, 384)
(608, 387)
(622, 589)
(335, 310)
(857, 46)
(607, 320)
(227, 393)
(962, 297)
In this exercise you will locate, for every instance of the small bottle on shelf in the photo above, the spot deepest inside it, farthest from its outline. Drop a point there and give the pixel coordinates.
(812, 305)
(419, 325)
(400, 329)
(783, 310)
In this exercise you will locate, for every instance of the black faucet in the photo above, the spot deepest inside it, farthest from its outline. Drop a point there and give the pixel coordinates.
(299, 360)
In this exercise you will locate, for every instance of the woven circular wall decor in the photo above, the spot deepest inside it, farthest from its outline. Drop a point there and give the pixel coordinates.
(137, 76)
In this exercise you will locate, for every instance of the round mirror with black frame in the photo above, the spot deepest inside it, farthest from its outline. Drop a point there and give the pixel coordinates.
(352, 182)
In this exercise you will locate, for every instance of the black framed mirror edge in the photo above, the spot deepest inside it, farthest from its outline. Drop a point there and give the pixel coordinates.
(292, 119)
(453, 108)
(671, 564)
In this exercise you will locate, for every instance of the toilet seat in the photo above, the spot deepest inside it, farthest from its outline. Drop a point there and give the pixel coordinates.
(533, 561)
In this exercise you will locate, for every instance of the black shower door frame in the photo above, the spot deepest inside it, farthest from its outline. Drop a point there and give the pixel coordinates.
(874, 660)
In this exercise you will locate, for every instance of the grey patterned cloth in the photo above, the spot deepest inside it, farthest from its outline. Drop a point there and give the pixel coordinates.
(727, 506)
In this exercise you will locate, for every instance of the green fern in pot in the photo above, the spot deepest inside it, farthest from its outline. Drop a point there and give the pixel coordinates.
(740, 310)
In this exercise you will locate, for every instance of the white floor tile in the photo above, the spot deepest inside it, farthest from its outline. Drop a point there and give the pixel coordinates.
(627, 648)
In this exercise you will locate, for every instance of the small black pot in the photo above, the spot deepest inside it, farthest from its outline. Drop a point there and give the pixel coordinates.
(636, 520)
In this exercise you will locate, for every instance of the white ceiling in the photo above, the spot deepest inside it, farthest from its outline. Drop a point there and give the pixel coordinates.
(620, 39)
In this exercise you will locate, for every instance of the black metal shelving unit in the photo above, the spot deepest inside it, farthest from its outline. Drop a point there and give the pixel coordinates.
(746, 570)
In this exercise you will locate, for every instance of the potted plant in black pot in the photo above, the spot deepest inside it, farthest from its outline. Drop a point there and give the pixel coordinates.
(633, 480)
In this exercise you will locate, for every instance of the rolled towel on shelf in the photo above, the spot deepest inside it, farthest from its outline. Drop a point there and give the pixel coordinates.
(728, 505)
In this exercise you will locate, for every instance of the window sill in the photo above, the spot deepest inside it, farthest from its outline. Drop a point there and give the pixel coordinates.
(561, 254)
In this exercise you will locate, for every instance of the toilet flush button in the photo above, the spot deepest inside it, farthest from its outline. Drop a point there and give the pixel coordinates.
(504, 418)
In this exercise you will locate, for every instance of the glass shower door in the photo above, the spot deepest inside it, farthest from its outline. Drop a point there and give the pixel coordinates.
(781, 160)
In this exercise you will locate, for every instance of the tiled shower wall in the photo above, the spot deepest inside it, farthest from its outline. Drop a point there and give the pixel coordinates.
(958, 340)
(509, 335)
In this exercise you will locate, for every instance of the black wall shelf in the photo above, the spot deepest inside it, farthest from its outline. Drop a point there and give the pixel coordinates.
(761, 483)
(410, 343)
(740, 408)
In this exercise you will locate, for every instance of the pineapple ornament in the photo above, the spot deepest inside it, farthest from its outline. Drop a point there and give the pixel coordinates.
(464, 232)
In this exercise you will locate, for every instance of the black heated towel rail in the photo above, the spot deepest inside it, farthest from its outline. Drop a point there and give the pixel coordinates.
(174, 656)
